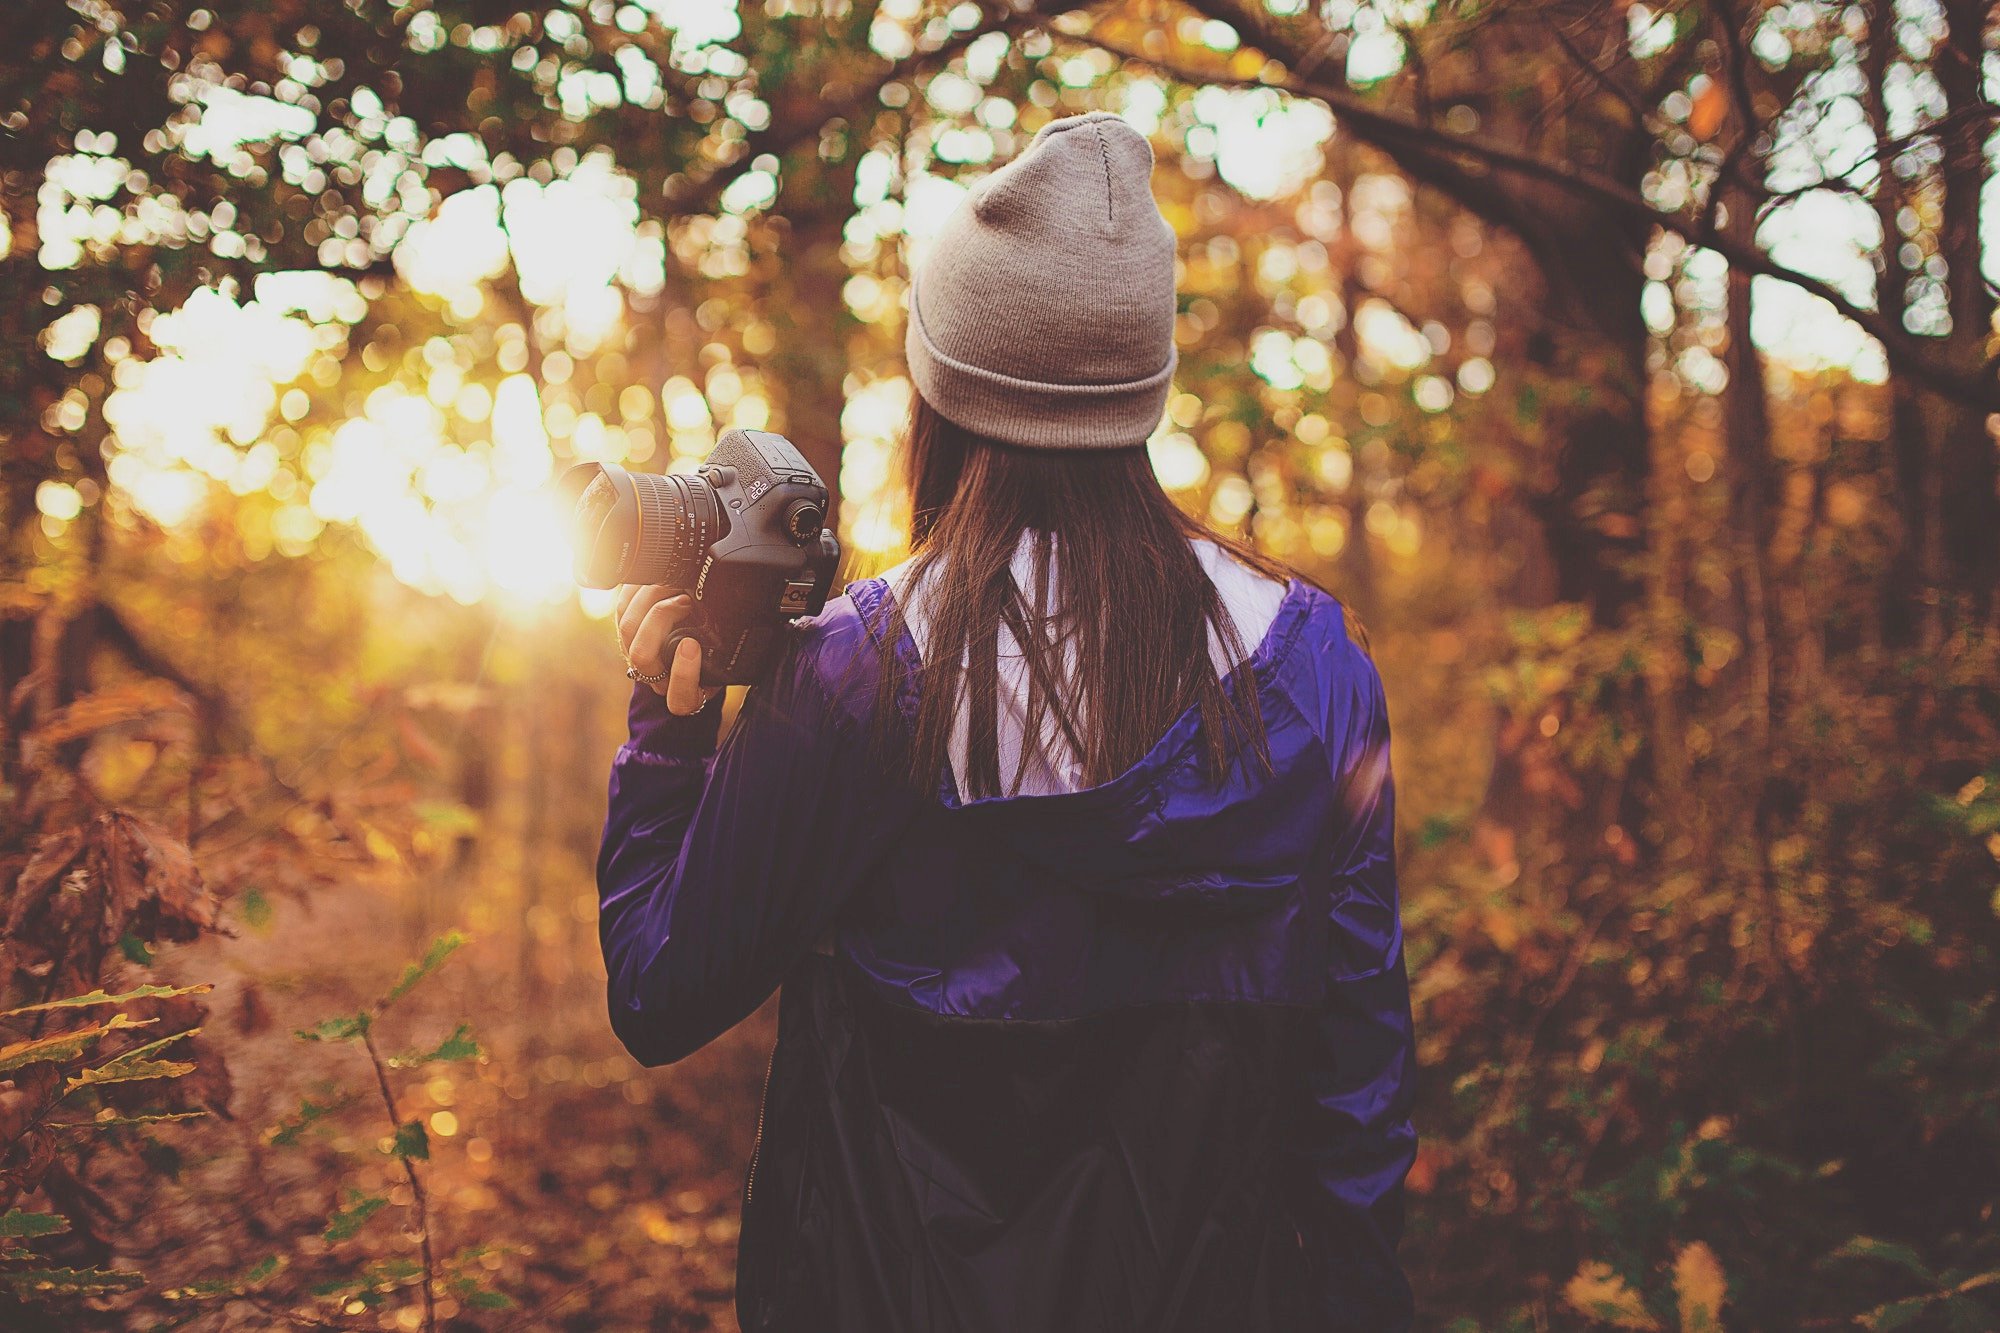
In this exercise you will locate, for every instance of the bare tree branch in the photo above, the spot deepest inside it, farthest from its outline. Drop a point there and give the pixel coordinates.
(1404, 138)
(1600, 74)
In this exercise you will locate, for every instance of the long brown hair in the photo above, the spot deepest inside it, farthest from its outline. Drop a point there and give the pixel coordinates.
(1134, 602)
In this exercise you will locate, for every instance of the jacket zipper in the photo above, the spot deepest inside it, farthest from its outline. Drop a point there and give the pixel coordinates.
(757, 1145)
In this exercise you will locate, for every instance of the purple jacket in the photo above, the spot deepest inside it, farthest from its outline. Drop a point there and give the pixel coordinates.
(1133, 1057)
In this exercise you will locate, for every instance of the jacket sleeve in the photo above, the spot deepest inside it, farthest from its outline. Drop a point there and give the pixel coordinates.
(1359, 1142)
(720, 868)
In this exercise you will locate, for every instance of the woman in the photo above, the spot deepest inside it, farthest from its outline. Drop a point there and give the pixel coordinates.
(1089, 814)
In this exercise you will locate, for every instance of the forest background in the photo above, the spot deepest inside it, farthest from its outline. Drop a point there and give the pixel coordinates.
(1631, 368)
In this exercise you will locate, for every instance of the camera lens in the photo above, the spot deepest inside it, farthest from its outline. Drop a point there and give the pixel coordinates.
(679, 518)
(640, 527)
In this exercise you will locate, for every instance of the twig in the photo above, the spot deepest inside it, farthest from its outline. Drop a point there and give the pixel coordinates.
(417, 1195)
(540, 1315)
(1601, 75)
(297, 1320)
(1523, 1044)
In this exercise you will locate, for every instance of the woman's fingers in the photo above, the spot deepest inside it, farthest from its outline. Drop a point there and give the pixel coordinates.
(646, 646)
(647, 618)
(626, 592)
(684, 692)
(636, 603)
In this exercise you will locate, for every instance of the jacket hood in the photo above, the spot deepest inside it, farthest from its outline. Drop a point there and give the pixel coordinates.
(1159, 878)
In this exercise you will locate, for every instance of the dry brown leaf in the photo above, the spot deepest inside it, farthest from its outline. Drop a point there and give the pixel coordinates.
(1699, 1288)
(50, 860)
(93, 713)
(1599, 1293)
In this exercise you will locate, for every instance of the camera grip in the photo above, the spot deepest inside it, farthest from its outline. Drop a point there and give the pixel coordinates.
(712, 668)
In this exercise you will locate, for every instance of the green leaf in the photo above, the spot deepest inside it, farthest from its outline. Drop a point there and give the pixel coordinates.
(347, 1221)
(1896, 1314)
(373, 1284)
(134, 949)
(345, 1028)
(1883, 1251)
(447, 817)
(31, 1283)
(287, 1131)
(255, 909)
(443, 947)
(1965, 1315)
(485, 1298)
(211, 1288)
(458, 1046)
(100, 997)
(411, 1142)
(17, 1225)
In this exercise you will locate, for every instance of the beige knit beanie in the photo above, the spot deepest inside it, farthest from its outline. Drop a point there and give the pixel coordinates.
(1043, 314)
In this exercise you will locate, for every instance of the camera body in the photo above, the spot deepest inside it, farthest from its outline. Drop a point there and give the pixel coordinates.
(744, 534)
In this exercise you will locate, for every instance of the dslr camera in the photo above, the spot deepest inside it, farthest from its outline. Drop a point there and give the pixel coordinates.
(744, 534)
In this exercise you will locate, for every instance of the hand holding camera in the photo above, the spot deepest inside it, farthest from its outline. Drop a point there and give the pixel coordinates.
(648, 614)
(713, 562)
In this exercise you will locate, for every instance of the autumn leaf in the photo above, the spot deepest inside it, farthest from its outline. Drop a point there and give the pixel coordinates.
(106, 708)
(152, 878)
(33, 1283)
(1699, 1288)
(51, 859)
(111, 1120)
(101, 997)
(1711, 108)
(134, 1065)
(1599, 1293)
(63, 1046)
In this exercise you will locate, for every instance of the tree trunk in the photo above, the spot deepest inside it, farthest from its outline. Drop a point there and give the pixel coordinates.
(1910, 610)
(1597, 340)
(1969, 517)
(808, 310)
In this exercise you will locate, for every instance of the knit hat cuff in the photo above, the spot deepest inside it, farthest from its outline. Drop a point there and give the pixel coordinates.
(1034, 413)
